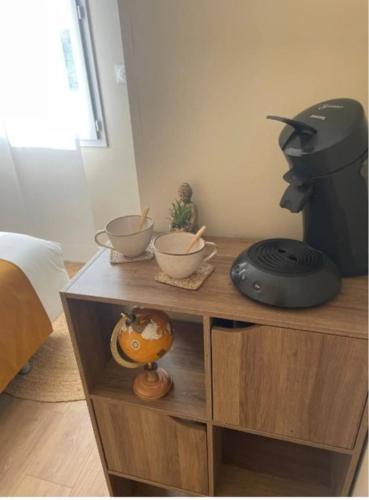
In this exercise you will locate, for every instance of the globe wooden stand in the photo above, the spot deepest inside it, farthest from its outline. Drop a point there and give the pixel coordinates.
(152, 383)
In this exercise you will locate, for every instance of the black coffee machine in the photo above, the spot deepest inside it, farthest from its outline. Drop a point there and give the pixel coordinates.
(326, 147)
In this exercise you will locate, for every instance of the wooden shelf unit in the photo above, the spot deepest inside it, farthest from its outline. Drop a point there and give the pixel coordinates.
(266, 402)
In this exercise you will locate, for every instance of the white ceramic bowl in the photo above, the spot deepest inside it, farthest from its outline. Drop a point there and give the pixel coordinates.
(124, 235)
(172, 259)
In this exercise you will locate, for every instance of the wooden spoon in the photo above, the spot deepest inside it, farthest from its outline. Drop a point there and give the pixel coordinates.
(143, 218)
(196, 237)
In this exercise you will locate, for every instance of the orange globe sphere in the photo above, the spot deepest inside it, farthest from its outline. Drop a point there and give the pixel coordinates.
(146, 335)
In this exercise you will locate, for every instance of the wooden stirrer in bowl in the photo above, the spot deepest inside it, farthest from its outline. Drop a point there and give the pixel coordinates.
(196, 237)
(143, 218)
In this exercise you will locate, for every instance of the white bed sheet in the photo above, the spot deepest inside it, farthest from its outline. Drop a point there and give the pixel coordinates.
(42, 263)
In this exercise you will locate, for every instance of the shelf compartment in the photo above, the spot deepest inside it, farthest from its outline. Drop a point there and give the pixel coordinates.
(128, 487)
(184, 362)
(250, 465)
(154, 447)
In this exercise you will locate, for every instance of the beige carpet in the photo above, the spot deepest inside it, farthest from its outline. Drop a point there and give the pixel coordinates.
(54, 376)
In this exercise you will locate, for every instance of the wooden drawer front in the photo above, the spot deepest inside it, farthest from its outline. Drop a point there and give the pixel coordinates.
(152, 446)
(302, 385)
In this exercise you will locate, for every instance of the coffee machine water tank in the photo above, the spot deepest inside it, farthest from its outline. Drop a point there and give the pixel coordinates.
(326, 147)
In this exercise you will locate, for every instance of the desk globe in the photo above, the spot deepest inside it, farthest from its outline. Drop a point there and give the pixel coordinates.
(144, 336)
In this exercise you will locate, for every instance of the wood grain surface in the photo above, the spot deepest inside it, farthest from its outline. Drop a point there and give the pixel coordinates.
(239, 482)
(130, 486)
(48, 449)
(146, 444)
(134, 283)
(290, 383)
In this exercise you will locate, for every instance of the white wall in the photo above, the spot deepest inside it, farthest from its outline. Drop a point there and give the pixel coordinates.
(111, 172)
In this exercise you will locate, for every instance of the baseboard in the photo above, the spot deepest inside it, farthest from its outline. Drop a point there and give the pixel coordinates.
(78, 253)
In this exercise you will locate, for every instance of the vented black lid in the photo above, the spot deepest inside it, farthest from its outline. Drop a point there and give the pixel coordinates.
(325, 137)
(285, 256)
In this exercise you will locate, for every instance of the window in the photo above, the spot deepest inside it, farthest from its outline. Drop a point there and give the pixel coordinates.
(49, 90)
(82, 76)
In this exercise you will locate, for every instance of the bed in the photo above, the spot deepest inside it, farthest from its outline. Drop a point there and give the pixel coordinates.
(31, 274)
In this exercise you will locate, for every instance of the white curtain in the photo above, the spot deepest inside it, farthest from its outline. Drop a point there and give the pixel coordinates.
(43, 192)
(43, 189)
(13, 214)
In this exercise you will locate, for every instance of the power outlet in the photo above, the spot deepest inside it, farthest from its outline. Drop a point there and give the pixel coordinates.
(120, 74)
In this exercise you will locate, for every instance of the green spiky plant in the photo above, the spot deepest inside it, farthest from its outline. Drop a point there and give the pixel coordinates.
(180, 214)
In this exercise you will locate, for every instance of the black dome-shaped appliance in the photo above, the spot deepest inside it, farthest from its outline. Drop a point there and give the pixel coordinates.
(285, 273)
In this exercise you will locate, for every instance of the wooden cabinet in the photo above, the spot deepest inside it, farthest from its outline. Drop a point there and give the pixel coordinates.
(308, 386)
(265, 402)
(156, 447)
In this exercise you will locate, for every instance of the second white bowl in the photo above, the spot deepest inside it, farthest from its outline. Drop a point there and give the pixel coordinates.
(172, 259)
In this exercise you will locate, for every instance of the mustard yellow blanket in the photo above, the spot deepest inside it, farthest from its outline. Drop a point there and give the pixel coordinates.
(24, 324)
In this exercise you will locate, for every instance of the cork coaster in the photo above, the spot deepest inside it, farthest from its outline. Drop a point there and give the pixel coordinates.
(119, 258)
(193, 282)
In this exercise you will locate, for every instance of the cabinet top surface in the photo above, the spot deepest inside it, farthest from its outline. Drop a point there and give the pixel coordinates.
(134, 283)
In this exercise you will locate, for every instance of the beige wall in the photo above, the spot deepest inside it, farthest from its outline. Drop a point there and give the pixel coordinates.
(202, 76)
(361, 483)
(111, 172)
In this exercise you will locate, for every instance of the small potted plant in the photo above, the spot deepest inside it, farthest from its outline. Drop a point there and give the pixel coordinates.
(183, 212)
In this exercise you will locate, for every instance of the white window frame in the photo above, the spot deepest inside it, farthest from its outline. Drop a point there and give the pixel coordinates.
(82, 15)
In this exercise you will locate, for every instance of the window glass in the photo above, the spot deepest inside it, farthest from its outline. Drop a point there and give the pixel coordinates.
(48, 86)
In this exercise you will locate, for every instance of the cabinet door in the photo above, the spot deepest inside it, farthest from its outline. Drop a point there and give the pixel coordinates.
(151, 446)
(306, 386)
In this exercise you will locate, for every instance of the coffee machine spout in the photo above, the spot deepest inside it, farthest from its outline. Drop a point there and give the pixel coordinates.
(299, 190)
(296, 197)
